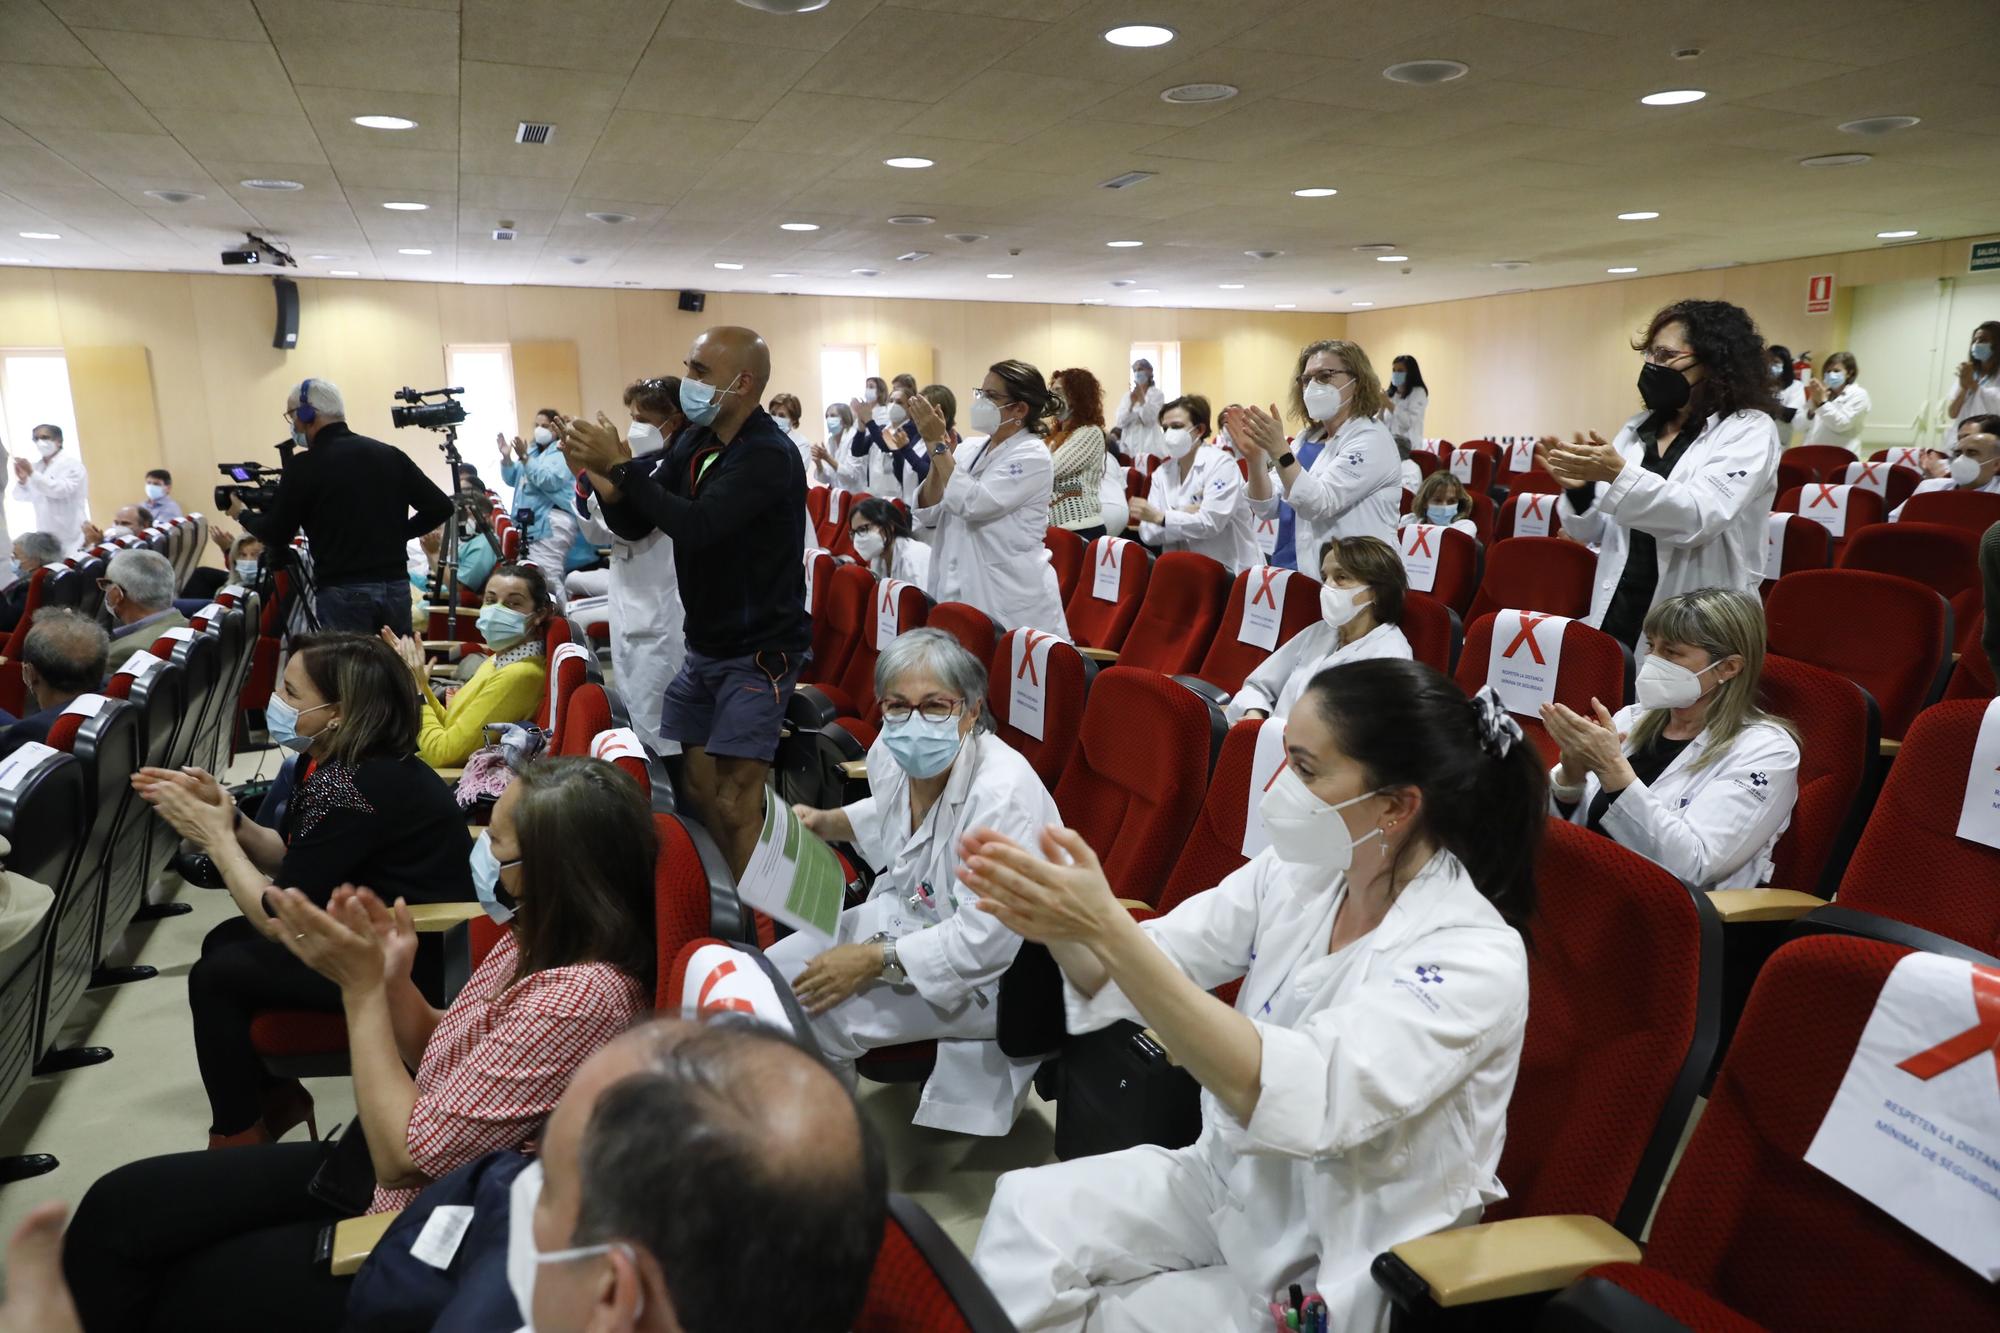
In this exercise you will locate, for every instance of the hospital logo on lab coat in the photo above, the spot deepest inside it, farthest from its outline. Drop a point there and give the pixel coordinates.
(1429, 973)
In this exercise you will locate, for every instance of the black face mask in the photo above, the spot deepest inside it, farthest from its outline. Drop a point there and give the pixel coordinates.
(1663, 388)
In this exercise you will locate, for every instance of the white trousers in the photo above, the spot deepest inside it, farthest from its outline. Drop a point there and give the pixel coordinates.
(1119, 1243)
(548, 553)
(587, 609)
(589, 583)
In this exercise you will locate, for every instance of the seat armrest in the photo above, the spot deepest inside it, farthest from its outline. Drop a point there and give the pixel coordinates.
(1738, 905)
(812, 707)
(354, 1239)
(855, 770)
(435, 918)
(451, 775)
(1215, 694)
(1104, 655)
(1497, 1260)
(1889, 749)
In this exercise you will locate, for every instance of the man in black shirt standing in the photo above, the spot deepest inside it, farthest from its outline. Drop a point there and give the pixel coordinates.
(354, 497)
(731, 493)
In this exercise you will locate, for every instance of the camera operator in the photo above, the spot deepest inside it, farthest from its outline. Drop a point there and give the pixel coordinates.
(354, 498)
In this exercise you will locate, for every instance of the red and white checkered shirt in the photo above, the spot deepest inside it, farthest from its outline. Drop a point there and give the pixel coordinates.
(502, 1055)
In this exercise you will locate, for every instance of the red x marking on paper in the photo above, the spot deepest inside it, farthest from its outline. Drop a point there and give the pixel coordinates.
(701, 1003)
(1027, 668)
(1825, 496)
(1265, 576)
(1982, 1038)
(1527, 636)
(1420, 541)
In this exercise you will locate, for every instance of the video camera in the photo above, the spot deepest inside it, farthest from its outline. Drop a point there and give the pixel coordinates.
(431, 416)
(256, 485)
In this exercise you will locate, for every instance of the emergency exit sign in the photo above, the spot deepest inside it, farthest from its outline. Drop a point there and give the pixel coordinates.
(1819, 294)
(1985, 257)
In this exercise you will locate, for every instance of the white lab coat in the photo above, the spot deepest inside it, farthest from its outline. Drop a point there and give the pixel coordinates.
(1712, 829)
(1353, 489)
(1139, 433)
(1411, 476)
(876, 473)
(953, 953)
(1112, 502)
(1464, 525)
(907, 560)
(1406, 416)
(648, 642)
(1982, 401)
(988, 533)
(1793, 395)
(819, 474)
(1707, 519)
(1220, 526)
(59, 488)
(1934, 484)
(1275, 686)
(1839, 420)
(1386, 1072)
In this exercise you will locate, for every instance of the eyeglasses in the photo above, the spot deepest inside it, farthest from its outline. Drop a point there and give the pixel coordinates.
(997, 399)
(1666, 356)
(934, 710)
(1323, 376)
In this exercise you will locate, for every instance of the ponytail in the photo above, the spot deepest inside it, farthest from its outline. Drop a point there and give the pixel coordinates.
(1484, 786)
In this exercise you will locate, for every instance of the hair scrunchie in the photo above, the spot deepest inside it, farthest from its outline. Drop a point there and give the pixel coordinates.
(1498, 731)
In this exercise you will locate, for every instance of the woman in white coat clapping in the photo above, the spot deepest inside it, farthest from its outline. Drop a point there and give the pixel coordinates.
(1139, 432)
(915, 962)
(1361, 616)
(1409, 400)
(1836, 404)
(1695, 776)
(881, 536)
(1789, 393)
(1678, 500)
(1195, 501)
(1356, 1094)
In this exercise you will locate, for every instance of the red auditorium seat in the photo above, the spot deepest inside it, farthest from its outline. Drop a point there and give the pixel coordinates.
(852, 696)
(1838, 729)
(973, 628)
(1624, 985)
(569, 668)
(1477, 473)
(1792, 476)
(1964, 509)
(1972, 678)
(1827, 461)
(1292, 597)
(1910, 864)
(1594, 665)
(589, 713)
(816, 505)
(1426, 461)
(1214, 846)
(1066, 674)
(1822, 498)
(1528, 508)
(832, 529)
(1518, 461)
(1545, 574)
(1886, 634)
(1749, 1235)
(1934, 554)
(836, 628)
(1459, 561)
(1066, 552)
(1805, 545)
(1895, 483)
(1136, 782)
(1178, 617)
(1095, 622)
(1434, 631)
(819, 567)
(681, 907)
(923, 1283)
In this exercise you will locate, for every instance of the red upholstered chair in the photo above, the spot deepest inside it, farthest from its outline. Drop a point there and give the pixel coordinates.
(852, 693)
(1827, 461)
(1229, 659)
(681, 908)
(1177, 618)
(38, 582)
(843, 604)
(1485, 455)
(1459, 561)
(1910, 864)
(1068, 676)
(1934, 554)
(1533, 503)
(569, 668)
(819, 566)
(973, 628)
(816, 506)
(1434, 631)
(1896, 482)
(1886, 634)
(1863, 508)
(1594, 665)
(1426, 461)
(1066, 552)
(832, 530)
(1749, 1235)
(1138, 776)
(1838, 729)
(1094, 622)
(1972, 678)
(589, 713)
(1624, 1011)
(1545, 574)
(1792, 476)
(1964, 509)
(1214, 846)
(1806, 545)
(923, 1283)
(1483, 518)
(620, 748)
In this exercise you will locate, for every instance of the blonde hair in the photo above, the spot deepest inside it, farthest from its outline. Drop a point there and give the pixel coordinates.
(1722, 623)
(1367, 399)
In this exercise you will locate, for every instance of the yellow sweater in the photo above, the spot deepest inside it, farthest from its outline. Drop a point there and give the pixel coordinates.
(448, 736)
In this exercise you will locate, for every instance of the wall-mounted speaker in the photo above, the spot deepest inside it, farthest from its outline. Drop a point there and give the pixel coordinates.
(287, 335)
(694, 302)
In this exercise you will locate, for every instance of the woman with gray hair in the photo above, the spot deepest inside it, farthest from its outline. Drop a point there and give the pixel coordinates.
(918, 961)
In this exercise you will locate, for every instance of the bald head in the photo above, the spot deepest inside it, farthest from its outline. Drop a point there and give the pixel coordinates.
(736, 362)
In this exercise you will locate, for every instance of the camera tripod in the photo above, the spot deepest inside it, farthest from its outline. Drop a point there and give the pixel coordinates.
(444, 583)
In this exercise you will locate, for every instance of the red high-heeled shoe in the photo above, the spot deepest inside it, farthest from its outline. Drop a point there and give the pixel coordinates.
(286, 1106)
(245, 1138)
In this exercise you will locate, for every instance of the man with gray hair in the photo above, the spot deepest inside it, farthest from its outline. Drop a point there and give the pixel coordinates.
(32, 551)
(359, 502)
(139, 598)
(62, 656)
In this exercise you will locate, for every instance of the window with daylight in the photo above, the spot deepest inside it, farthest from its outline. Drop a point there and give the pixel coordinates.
(34, 388)
(486, 372)
(1165, 358)
(844, 369)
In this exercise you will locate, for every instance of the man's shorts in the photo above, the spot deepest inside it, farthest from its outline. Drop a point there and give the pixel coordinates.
(733, 707)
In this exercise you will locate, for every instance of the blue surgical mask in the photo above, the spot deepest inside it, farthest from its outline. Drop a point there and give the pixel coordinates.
(486, 868)
(299, 438)
(924, 748)
(501, 624)
(1398, 378)
(1835, 378)
(246, 572)
(1981, 352)
(1441, 516)
(155, 491)
(14, 568)
(700, 402)
(281, 723)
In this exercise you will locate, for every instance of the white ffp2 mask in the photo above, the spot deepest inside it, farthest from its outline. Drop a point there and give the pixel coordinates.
(1304, 830)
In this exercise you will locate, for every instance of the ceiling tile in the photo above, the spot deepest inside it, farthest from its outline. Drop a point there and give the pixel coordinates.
(199, 72)
(999, 106)
(88, 99)
(34, 36)
(732, 81)
(282, 135)
(181, 18)
(819, 123)
(915, 55)
(333, 44)
(731, 21)
(601, 37)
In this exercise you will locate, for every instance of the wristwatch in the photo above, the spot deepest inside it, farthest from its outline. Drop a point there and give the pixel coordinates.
(1287, 458)
(892, 969)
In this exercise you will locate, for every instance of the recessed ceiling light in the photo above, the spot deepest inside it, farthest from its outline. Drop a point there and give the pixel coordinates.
(919, 220)
(1836, 160)
(610, 219)
(1124, 245)
(41, 236)
(269, 183)
(346, 273)
(324, 256)
(413, 250)
(405, 206)
(1230, 286)
(1623, 268)
(1361, 303)
(1426, 72)
(1392, 259)
(1509, 265)
(908, 163)
(1187, 94)
(962, 237)
(1642, 216)
(1374, 248)
(1123, 282)
(866, 272)
(1316, 192)
(1894, 235)
(1147, 291)
(999, 275)
(1139, 34)
(385, 123)
(1673, 97)
(798, 226)
(175, 196)
(1880, 124)
(730, 267)
(1263, 254)
(1289, 305)
(576, 259)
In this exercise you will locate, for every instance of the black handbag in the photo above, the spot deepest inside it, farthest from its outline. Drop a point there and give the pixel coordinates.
(345, 1181)
(1118, 1090)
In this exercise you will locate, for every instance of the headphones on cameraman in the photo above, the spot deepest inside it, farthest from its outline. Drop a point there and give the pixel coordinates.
(305, 414)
